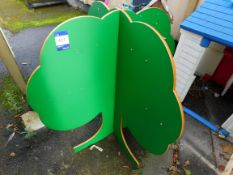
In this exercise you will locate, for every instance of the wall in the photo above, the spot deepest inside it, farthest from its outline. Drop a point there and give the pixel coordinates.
(200, 2)
(181, 9)
(212, 55)
(210, 60)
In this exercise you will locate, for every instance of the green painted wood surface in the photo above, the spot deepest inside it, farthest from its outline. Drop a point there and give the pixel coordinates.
(98, 9)
(155, 17)
(144, 97)
(159, 20)
(72, 86)
(108, 70)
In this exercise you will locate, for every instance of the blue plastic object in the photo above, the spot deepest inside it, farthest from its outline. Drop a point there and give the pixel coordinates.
(207, 123)
(205, 42)
(212, 20)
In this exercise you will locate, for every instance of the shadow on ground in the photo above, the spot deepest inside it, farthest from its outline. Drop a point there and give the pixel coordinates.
(50, 152)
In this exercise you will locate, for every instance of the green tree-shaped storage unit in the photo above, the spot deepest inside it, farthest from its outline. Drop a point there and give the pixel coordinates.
(113, 66)
(155, 17)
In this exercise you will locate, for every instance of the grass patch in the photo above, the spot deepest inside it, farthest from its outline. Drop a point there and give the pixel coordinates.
(10, 96)
(15, 16)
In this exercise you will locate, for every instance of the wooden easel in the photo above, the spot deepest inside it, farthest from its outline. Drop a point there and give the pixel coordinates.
(8, 60)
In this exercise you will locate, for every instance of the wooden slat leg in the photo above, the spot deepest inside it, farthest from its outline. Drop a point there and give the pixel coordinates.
(8, 60)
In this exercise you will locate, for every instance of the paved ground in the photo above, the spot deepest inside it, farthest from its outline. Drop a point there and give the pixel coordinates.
(50, 152)
(15, 16)
(26, 47)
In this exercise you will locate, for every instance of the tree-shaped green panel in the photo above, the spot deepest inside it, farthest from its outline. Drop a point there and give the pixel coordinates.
(155, 17)
(68, 89)
(111, 66)
(98, 9)
(145, 87)
(159, 20)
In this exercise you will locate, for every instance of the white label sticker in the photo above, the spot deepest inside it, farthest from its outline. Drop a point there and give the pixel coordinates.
(62, 40)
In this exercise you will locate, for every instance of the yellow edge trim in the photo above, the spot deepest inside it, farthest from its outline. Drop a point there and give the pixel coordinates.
(29, 79)
(130, 20)
(69, 21)
(97, 132)
(144, 9)
(101, 2)
(54, 30)
(127, 147)
(182, 113)
(172, 62)
(156, 9)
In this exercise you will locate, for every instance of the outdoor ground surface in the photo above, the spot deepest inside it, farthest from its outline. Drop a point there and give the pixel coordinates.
(15, 16)
(50, 152)
(198, 151)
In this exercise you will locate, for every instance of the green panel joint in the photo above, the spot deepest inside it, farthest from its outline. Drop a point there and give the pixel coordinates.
(113, 65)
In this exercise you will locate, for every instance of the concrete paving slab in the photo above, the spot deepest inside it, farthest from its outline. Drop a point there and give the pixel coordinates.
(222, 157)
(31, 121)
(157, 165)
(196, 146)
